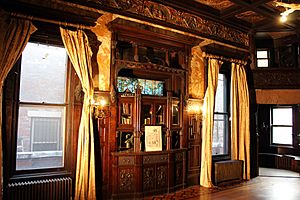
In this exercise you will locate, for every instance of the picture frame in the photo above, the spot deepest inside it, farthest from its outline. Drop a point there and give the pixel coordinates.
(153, 138)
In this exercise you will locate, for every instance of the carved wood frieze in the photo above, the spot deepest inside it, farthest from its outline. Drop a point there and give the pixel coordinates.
(169, 15)
(148, 178)
(155, 159)
(280, 79)
(126, 180)
(162, 176)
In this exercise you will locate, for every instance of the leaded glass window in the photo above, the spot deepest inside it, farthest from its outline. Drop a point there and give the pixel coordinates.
(149, 87)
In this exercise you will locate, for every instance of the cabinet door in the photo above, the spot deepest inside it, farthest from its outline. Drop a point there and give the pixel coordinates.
(146, 111)
(159, 114)
(126, 112)
(175, 113)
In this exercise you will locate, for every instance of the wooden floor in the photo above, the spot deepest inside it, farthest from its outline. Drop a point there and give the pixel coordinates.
(272, 184)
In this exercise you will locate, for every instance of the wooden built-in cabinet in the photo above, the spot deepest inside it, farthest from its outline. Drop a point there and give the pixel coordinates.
(149, 76)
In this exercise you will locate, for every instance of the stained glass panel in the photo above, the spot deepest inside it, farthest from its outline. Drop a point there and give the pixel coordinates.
(149, 87)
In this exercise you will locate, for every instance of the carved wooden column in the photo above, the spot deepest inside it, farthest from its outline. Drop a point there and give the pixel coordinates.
(137, 120)
(168, 124)
(196, 92)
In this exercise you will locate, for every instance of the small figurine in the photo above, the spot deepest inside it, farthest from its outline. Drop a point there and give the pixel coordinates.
(129, 140)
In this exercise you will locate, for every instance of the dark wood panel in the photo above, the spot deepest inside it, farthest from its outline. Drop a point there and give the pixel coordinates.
(276, 78)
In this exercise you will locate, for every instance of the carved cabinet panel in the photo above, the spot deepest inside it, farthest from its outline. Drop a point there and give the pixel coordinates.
(149, 178)
(136, 175)
(126, 180)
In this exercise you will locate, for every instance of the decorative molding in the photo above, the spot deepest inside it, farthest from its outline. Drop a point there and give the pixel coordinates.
(217, 4)
(166, 14)
(155, 159)
(146, 66)
(126, 160)
(148, 179)
(161, 176)
(126, 181)
(250, 16)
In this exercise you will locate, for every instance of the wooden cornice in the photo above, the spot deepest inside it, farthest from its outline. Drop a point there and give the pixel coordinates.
(165, 15)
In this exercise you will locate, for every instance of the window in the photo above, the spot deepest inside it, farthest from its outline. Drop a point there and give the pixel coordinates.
(42, 107)
(149, 87)
(221, 118)
(282, 125)
(262, 58)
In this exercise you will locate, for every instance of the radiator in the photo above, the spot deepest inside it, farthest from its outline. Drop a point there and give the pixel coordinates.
(50, 189)
(229, 170)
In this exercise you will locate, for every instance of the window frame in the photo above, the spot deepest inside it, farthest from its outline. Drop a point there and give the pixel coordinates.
(11, 129)
(292, 126)
(267, 58)
(226, 71)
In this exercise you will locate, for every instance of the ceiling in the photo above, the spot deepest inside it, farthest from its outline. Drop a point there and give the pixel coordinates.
(259, 16)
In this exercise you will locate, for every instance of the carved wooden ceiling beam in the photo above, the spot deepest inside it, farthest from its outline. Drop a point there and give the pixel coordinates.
(255, 7)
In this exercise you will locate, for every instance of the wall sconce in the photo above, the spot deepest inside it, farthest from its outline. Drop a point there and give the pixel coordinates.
(101, 102)
(194, 108)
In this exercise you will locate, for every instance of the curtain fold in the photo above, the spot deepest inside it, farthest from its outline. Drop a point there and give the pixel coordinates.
(13, 40)
(240, 118)
(78, 49)
(208, 122)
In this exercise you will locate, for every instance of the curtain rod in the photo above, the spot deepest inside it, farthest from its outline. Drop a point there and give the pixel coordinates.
(22, 16)
(238, 61)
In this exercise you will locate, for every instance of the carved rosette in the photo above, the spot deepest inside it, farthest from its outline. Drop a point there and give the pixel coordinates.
(161, 176)
(149, 179)
(126, 180)
(154, 10)
(178, 157)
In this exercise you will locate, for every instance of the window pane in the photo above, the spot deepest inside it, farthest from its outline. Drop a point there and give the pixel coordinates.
(262, 54)
(262, 63)
(40, 137)
(282, 135)
(149, 87)
(282, 116)
(219, 143)
(220, 105)
(42, 66)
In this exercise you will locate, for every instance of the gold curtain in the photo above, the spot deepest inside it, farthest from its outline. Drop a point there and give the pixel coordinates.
(13, 40)
(78, 49)
(240, 116)
(208, 122)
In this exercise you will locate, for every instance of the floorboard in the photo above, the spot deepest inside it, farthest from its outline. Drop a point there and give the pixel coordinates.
(272, 184)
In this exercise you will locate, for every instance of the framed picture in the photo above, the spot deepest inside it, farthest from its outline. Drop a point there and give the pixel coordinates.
(153, 138)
